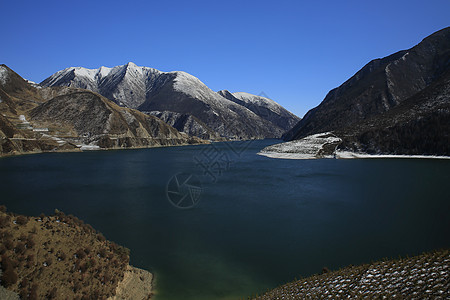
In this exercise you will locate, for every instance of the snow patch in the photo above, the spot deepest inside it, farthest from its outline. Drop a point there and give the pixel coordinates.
(88, 147)
(89, 73)
(3, 75)
(259, 101)
(348, 155)
(310, 147)
(103, 71)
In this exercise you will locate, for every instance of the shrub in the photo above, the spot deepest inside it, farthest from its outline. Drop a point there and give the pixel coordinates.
(9, 277)
(33, 292)
(21, 220)
(20, 248)
(30, 261)
(8, 244)
(23, 283)
(102, 252)
(5, 235)
(30, 242)
(6, 263)
(23, 293)
(49, 261)
(4, 221)
(80, 253)
(52, 294)
(3, 208)
(101, 237)
(62, 256)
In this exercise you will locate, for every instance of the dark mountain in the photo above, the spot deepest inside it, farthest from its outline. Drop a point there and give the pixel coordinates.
(36, 119)
(419, 125)
(181, 98)
(378, 87)
(398, 104)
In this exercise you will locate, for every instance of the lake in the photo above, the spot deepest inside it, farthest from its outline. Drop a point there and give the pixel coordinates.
(232, 223)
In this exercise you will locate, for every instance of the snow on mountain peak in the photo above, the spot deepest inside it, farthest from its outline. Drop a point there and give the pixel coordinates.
(258, 100)
(189, 84)
(132, 68)
(103, 71)
(89, 73)
(132, 65)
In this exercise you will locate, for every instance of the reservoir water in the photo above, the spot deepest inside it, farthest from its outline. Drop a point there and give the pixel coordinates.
(246, 223)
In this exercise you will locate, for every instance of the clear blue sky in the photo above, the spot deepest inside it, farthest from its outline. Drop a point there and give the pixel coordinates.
(294, 51)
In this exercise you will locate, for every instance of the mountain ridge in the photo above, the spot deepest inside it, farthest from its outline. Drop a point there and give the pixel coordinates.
(399, 104)
(39, 119)
(380, 85)
(178, 93)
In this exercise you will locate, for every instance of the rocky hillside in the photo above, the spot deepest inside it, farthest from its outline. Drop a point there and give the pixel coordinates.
(180, 98)
(426, 276)
(418, 126)
(36, 119)
(264, 107)
(61, 257)
(384, 89)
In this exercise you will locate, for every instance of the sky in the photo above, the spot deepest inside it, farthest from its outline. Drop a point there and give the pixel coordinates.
(292, 51)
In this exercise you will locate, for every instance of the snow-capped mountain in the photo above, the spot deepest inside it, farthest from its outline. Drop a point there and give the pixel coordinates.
(72, 119)
(177, 94)
(126, 85)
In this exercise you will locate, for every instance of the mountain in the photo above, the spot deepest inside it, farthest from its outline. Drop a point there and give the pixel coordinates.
(36, 119)
(418, 125)
(181, 99)
(264, 107)
(398, 104)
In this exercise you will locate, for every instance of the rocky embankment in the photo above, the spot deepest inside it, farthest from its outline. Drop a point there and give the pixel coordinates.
(426, 276)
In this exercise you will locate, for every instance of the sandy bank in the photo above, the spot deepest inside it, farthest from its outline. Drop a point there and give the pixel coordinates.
(136, 285)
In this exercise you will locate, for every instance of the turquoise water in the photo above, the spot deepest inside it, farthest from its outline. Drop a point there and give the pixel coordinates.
(259, 222)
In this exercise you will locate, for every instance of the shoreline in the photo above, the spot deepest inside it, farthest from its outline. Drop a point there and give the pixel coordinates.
(79, 150)
(348, 155)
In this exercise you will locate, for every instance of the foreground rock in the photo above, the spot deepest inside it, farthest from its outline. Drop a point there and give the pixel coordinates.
(59, 257)
(426, 276)
(136, 285)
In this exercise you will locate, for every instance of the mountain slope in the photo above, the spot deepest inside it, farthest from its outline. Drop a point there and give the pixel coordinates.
(419, 125)
(264, 107)
(378, 87)
(177, 94)
(61, 257)
(64, 118)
